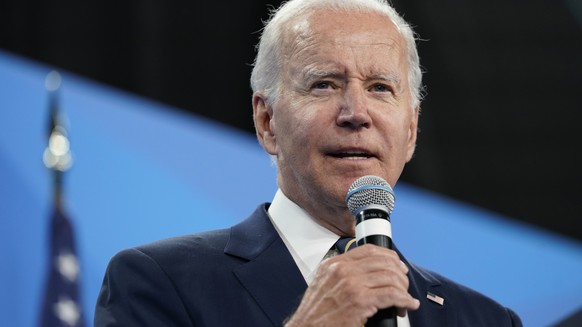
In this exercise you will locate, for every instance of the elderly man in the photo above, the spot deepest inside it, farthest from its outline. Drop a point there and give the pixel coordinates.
(336, 96)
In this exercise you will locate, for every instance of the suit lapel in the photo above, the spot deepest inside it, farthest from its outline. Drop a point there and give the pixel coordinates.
(430, 313)
(270, 276)
(276, 284)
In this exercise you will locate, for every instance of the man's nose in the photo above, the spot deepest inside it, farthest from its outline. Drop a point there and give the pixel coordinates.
(353, 111)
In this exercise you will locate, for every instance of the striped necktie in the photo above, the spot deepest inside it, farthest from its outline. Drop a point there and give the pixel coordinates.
(345, 244)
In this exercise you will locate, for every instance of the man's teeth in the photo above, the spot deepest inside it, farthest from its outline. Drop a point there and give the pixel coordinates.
(354, 155)
(355, 158)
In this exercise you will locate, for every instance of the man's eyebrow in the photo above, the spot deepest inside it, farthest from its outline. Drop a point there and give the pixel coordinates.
(314, 73)
(389, 77)
(310, 74)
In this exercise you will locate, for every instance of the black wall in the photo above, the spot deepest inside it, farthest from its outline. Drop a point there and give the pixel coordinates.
(499, 125)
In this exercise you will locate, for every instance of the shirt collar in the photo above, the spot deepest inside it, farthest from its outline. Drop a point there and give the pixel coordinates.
(307, 240)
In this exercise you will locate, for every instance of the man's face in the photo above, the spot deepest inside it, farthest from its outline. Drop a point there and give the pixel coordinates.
(345, 111)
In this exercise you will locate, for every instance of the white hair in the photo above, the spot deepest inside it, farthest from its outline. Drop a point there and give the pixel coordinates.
(267, 67)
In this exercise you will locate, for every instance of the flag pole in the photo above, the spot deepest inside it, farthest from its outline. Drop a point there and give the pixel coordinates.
(61, 303)
(57, 155)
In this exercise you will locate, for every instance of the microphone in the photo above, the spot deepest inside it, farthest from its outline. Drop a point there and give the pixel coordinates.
(370, 199)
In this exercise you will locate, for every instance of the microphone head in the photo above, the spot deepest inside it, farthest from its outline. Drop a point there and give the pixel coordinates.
(370, 190)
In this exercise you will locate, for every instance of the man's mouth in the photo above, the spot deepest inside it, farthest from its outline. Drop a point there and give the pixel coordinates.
(352, 155)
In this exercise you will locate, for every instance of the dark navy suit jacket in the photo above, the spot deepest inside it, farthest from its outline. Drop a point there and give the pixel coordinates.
(245, 276)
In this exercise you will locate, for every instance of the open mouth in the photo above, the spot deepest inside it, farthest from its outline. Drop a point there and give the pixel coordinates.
(352, 155)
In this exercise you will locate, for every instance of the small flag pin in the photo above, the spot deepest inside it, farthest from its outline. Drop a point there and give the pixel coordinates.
(435, 298)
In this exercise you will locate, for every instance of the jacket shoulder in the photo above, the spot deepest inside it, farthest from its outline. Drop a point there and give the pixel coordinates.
(470, 306)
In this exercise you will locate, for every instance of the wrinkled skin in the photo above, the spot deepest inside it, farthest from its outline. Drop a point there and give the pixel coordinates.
(345, 111)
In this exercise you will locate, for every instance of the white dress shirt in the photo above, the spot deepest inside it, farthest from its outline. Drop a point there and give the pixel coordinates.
(307, 241)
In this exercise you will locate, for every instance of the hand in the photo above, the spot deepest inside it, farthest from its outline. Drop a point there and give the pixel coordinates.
(350, 288)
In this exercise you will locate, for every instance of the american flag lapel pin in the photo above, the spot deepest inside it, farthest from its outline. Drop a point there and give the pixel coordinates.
(435, 298)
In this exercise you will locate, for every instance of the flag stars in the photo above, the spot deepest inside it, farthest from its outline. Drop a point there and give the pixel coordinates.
(67, 311)
(68, 266)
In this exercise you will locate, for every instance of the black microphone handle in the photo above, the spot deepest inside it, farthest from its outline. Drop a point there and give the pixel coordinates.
(384, 317)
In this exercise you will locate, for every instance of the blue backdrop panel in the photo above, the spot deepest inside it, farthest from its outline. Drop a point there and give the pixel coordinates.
(143, 171)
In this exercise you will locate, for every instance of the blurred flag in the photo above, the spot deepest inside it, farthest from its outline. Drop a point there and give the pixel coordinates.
(61, 303)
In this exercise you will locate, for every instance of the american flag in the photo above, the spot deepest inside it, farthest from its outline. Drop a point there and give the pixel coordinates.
(435, 298)
(61, 305)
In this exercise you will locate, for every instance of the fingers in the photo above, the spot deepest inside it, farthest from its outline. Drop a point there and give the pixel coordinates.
(353, 286)
(372, 265)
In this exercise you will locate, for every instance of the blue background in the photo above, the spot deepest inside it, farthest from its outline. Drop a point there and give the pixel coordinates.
(143, 171)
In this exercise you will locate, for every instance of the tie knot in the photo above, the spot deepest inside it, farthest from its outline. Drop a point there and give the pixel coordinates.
(345, 244)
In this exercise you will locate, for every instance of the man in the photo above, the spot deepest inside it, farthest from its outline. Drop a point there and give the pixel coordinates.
(336, 96)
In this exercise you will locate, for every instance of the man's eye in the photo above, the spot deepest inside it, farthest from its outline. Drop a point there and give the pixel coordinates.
(321, 85)
(380, 88)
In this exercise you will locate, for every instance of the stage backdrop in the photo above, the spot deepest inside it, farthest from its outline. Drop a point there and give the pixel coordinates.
(143, 171)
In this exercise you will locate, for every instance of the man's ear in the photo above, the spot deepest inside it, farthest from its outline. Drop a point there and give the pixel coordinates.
(264, 123)
(412, 133)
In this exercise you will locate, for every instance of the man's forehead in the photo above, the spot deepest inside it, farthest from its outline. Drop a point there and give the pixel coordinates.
(364, 37)
(376, 58)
